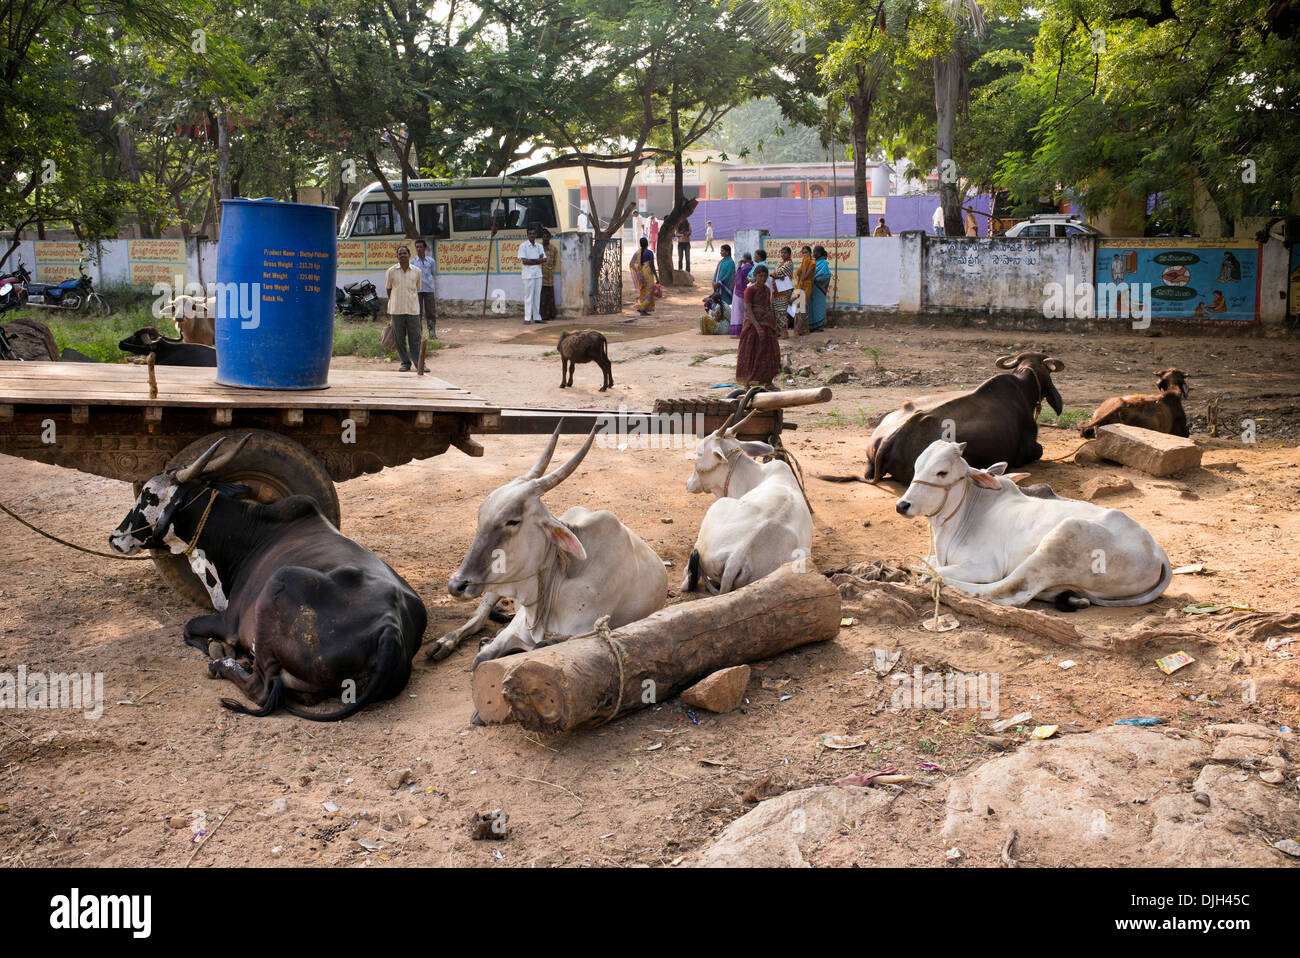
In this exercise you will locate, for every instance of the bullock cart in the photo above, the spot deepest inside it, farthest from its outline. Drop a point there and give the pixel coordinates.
(131, 422)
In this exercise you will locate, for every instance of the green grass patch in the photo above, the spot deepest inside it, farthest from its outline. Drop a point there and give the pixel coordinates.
(836, 418)
(98, 337)
(1068, 419)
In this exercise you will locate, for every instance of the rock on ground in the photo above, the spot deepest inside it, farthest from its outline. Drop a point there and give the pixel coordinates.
(1155, 453)
(722, 691)
(1099, 487)
(779, 832)
(1116, 796)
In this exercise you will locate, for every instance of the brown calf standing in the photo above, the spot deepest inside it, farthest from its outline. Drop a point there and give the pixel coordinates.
(1162, 412)
(584, 346)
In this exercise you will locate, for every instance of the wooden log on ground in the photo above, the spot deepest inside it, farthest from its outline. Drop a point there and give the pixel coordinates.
(577, 683)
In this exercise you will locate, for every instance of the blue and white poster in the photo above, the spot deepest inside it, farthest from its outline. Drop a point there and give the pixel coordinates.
(1201, 280)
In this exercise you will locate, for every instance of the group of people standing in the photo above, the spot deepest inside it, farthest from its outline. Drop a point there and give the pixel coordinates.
(766, 303)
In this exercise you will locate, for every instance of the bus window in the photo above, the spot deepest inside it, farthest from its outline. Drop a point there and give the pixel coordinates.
(375, 219)
(471, 214)
(480, 213)
(433, 221)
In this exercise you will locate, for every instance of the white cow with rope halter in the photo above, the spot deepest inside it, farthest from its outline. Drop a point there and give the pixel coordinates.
(992, 540)
(760, 521)
(564, 574)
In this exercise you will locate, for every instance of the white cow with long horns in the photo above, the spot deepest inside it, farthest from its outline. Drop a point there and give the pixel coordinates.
(992, 540)
(564, 574)
(760, 521)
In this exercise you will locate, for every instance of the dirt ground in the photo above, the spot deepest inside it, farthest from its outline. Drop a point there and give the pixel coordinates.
(657, 785)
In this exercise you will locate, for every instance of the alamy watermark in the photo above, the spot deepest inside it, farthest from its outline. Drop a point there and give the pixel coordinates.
(53, 690)
(656, 430)
(241, 301)
(1072, 300)
(946, 690)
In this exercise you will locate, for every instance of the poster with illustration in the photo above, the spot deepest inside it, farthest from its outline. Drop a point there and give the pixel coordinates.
(1202, 280)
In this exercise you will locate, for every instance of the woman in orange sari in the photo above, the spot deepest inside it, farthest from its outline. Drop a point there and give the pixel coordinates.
(644, 278)
(803, 279)
(759, 359)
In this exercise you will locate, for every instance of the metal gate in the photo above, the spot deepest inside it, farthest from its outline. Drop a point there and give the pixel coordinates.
(607, 275)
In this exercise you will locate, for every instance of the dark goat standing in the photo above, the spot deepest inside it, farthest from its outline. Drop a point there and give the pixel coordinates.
(1162, 412)
(998, 420)
(584, 346)
(167, 352)
(318, 614)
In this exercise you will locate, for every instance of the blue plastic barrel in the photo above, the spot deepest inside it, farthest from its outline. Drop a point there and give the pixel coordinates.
(275, 294)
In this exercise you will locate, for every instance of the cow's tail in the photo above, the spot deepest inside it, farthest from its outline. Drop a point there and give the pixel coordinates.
(274, 699)
(693, 571)
(1166, 576)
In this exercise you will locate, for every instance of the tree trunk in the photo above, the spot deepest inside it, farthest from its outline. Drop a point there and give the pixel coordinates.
(577, 682)
(223, 156)
(947, 94)
(860, 104)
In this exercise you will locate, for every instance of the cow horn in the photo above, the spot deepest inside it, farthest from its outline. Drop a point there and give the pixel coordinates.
(1008, 362)
(539, 467)
(194, 470)
(547, 483)
(1053, 365)
(736, 428)
(227, 457)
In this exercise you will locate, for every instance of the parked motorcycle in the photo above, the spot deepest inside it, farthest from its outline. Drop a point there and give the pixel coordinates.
(71, 294)
(357, 299)
(13, 288)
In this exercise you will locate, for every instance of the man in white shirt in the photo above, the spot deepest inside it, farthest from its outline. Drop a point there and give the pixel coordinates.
(937, 221)
(531, 258)
(428, 267)
(403, 284)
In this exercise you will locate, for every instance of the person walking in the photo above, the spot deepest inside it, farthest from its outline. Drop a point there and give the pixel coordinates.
(548, 311)
(644, 277)
(428, 267)
(531, 258)
(937, 221)
(882, 229)
(683, 233)
(759, 358)
(654, 233)
(803, 280)
(403, 284)
(708, 236)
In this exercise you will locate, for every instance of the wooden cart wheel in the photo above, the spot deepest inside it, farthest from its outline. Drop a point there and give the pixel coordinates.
(274, 466)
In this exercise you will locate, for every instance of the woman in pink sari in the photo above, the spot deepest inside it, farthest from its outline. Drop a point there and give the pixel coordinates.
(759, 359)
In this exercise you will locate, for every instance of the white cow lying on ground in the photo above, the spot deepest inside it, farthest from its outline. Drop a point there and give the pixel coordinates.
(992, 540)
(760, 521)
(564, 574)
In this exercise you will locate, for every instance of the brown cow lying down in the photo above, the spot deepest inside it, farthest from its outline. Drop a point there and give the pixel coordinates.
(1162, 412)
(998, 420)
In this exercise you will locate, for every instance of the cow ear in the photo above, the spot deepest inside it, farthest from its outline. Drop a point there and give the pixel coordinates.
(718, 454)
(1017, 476)
(997, 469)
(961, 448)
(756, 449)
(984, 479)
(563, 537)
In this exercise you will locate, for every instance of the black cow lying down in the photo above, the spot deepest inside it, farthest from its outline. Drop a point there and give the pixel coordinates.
(317, 614)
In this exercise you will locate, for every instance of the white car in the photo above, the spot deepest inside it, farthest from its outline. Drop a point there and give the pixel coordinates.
(1051, 224)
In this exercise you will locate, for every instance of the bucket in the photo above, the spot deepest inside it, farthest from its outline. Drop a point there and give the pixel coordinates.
(275, 294)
